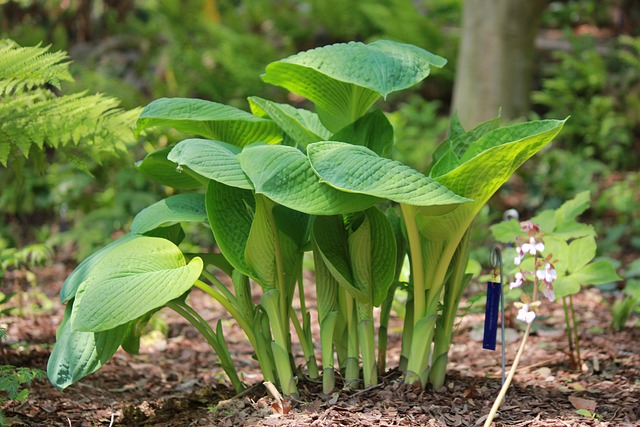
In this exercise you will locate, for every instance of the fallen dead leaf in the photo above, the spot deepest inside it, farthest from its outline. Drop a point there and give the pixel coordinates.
(581, 403)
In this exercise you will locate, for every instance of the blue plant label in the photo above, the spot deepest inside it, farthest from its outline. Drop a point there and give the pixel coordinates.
(491, 315)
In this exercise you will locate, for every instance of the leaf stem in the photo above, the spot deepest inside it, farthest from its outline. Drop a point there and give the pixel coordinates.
(507, 383)
(232, 309)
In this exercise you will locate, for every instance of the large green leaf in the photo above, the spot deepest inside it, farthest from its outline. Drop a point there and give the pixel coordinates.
(302, 126)
(331, 239)
(357, 169)
(373, 130)
(284, 175)
(447, 155)
(132, 279)
(156, 166)
(189, 207)
(211, 159)
(82, 271)
(269, 242)
(77, 354)
(210, 120)
(231, 211)
(372, 250)
(482, 174)
(344, 80)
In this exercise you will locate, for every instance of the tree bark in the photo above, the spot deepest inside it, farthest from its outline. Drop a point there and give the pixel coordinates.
(495, 61)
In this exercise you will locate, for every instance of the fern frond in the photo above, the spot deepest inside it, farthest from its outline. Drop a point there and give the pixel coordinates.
(33, 118)
(23, 68)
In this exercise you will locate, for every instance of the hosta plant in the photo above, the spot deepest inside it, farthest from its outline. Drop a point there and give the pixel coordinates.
(277, 181)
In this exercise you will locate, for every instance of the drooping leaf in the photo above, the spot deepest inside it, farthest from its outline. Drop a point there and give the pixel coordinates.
(373, 130)
(211, 159)
(268, 241)
(231, 211)
(301, 125)
(330, 237)
(357, 169)
(156, 166)
(77, 354)
(130, 280)
(372, 250)
(284, 175)
(210, 120)
(344, 80)
(135, 330)
(189, 207)
(173, 233)
(82, 271)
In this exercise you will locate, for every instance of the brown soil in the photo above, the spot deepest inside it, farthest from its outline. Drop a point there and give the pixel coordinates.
(176, 381)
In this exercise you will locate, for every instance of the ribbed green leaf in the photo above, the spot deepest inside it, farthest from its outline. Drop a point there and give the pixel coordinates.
(210, 120)
(211, 159)
(372, 130)
(284, 175)
(132, 279)
(302, 126)
(264, 245)
(344, 80)
(230, 211)
(82, 271)
(483, 174)
(77, 354)
(330, 237)
(447, 155)
(357, 169)
(157, 167)
(189, 207)
(372, 250)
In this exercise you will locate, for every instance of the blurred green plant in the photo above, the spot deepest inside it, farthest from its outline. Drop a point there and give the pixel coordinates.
(14, 385)
(35, 118)
(624, 307)
(601, 91)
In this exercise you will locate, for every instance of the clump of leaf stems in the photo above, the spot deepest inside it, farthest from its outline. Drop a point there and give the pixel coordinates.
(279, 181)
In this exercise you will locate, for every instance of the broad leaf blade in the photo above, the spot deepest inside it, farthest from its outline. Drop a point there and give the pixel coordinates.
(284, 175)
(82, 271)
(231, 211)
(136, 277)
(330, 237)
(77, 354)
(301, 125)
(210, 120)
(372, 249)
(373, 130)
(482, 175)
(189, 207)
(357, 169)
(344, 80)
(156, 166)
(211, 159)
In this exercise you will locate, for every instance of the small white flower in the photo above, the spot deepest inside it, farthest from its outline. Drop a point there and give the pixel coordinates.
(525, 315)
(517, 260)
(548, 292)
(548, 274)
(518, 281)
(532, 247)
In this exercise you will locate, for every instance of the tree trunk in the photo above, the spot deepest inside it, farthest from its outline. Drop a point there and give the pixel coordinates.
(494, 69)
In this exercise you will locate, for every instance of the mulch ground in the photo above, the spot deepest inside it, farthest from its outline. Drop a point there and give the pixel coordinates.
(176, 381)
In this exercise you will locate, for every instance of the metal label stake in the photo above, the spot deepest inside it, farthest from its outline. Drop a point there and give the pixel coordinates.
(495, 304)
